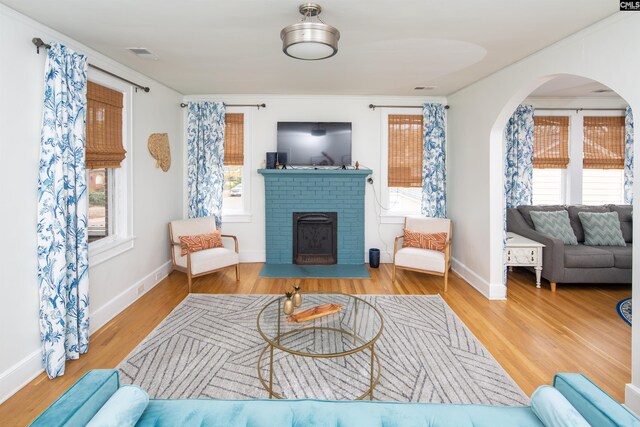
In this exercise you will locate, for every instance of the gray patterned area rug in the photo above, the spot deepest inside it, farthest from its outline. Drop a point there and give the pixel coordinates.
(208, 347)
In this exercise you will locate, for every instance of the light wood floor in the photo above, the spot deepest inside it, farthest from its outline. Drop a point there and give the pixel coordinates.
(534, 334)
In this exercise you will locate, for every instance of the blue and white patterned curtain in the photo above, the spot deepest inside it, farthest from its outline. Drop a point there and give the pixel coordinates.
(518, 169)
(628, 157)
(205, 159)
(62, 212)
(434, 198)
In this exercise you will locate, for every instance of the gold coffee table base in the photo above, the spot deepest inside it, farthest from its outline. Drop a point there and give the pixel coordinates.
(373, 379)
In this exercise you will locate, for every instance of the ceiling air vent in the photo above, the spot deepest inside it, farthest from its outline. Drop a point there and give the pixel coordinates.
(142, 52)
(601, 91)
(139, 50)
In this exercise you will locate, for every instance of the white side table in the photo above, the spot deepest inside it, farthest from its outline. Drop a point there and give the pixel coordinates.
(523, 252)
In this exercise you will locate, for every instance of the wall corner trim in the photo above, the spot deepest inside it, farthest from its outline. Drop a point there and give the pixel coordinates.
(632, 398)
(492, 291)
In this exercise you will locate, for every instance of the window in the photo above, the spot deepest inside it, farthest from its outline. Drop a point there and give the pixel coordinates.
(603, 163)
(100, 222)
(404, 167)
(550, 158)
(104, 153)
(547, 186)
(234, 194)
(602, 186)
(107, 177)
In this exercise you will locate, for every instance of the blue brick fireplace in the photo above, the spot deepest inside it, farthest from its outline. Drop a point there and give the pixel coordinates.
(292, 191)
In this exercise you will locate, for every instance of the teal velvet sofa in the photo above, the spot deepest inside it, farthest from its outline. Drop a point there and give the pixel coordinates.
(78, 405)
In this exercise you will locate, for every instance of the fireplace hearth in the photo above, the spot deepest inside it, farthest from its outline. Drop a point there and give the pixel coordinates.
(315, 236)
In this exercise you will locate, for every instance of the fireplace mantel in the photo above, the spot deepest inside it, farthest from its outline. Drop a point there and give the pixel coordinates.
(315, 172)
(314, 190)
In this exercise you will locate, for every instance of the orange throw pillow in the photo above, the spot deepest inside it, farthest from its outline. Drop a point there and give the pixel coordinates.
(432, 241)
(200, 242)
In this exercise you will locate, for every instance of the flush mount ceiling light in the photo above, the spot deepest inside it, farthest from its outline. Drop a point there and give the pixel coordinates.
(310, 40)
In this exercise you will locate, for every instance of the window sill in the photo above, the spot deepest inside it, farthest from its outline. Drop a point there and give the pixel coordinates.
(395, 217)
(107, 248)
(236, 217)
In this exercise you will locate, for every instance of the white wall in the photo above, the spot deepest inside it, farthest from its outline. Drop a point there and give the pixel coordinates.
(157, 197)
(606, 52)
(366, 143)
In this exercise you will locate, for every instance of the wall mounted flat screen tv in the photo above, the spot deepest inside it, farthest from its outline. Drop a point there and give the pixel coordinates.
(315, 143)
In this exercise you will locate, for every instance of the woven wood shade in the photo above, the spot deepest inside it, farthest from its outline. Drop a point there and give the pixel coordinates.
(234, 139)
(604, 143)
(104, 127)
(551, 142)
(405, 150)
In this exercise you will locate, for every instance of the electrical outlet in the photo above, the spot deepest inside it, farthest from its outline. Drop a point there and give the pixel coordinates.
(140, 290)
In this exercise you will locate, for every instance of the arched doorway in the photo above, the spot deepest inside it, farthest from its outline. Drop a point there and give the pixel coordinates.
(575, 97)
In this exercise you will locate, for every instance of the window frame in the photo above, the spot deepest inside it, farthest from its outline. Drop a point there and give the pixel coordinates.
(121, 238)
(244, 215)
(389, 216)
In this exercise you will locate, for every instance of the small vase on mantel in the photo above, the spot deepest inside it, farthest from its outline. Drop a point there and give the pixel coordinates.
(288, 303)
(297, 296)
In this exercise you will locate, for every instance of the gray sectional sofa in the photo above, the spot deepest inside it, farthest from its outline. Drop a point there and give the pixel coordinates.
(578, 264)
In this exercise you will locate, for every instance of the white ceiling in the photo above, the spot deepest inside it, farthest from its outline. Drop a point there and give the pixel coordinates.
(387, 47)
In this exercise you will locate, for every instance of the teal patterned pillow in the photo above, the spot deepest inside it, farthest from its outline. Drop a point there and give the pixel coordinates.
(601, 229)
(554, 224)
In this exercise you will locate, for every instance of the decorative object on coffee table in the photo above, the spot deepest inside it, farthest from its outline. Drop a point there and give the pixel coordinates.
(288, 304)
(297, 296)
(356, 325)
(158, 144)
(314, 313)
(523, 252)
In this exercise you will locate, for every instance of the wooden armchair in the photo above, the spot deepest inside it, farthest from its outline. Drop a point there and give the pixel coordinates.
(424, 260)
(202, 262)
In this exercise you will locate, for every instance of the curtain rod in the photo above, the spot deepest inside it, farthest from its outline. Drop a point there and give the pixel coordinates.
(258, 106)
(39, 43)
(581, 109)
(373, 107)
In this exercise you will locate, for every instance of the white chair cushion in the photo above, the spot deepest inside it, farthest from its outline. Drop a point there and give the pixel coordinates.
(209, 259)
(420, 259)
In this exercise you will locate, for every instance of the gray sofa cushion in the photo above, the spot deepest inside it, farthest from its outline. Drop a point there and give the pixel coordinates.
(601, 229)
(555, 224)
(526, 209)
(581, 256)
(625, 213)
(575, 219)
(622, 255)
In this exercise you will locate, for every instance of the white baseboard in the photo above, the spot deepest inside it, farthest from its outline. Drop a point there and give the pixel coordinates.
(252, 256)
(111, 309)
(632, 398)
(20, 374)
(493, 291)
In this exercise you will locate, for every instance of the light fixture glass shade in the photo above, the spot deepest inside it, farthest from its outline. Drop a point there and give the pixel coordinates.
(310, 40)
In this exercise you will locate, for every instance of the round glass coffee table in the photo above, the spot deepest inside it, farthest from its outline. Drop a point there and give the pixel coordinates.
(354, 329)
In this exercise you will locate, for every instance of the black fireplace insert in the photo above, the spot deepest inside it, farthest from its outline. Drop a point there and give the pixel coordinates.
(315, 238)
